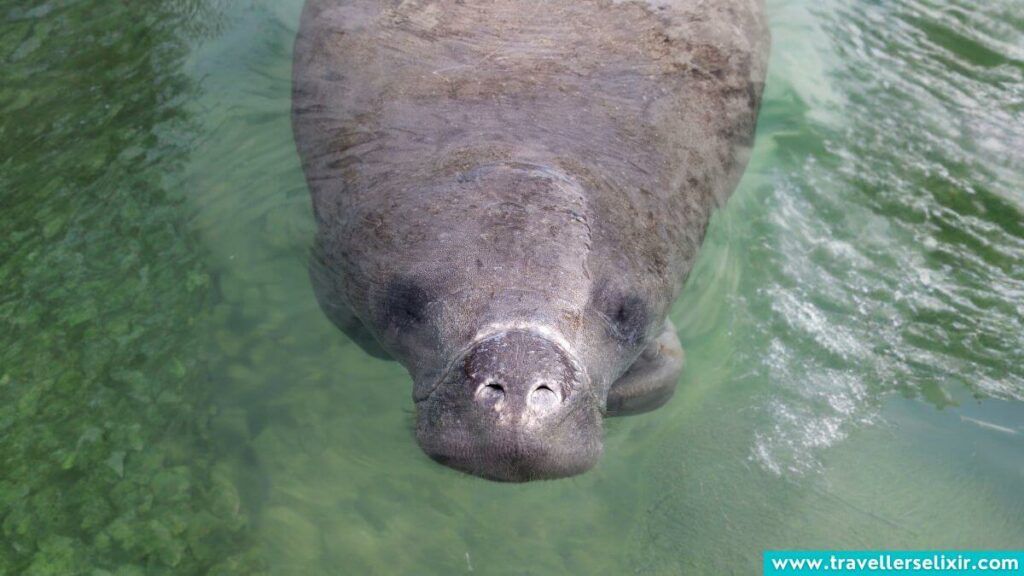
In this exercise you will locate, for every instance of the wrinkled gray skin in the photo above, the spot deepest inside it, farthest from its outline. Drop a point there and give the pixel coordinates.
(509, 196)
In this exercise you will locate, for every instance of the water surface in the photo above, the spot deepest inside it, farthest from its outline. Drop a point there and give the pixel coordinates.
(173, 401)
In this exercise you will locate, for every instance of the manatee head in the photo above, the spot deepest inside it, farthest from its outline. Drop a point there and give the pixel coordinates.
(513, 306)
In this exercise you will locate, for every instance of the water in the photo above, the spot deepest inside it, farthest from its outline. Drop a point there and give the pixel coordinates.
(173, 401)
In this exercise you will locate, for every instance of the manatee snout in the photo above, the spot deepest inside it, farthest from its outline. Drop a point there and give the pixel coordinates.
(514, 407)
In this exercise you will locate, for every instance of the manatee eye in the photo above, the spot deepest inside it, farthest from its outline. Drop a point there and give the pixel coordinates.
(629, 319)
(627, 315)
(404, 305)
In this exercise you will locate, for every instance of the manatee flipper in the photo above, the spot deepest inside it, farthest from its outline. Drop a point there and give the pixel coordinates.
(328, 295)
(651, 380)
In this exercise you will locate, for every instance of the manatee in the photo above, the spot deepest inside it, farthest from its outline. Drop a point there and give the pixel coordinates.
(509, 196)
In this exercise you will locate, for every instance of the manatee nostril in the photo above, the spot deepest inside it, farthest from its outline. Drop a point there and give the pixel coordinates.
(543, 397)
(491, 393)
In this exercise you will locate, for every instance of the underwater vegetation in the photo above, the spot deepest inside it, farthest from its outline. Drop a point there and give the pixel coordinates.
(105, 461)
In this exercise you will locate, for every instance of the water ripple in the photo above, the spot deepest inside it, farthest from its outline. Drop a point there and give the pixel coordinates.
(889, 259)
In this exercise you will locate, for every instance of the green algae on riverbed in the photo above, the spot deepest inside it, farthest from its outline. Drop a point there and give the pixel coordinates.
(107, 466)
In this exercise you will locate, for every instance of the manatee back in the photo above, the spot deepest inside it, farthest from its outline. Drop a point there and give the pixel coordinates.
(648, 105)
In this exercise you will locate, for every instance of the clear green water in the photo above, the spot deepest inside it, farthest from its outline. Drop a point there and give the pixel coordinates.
(173, 401)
